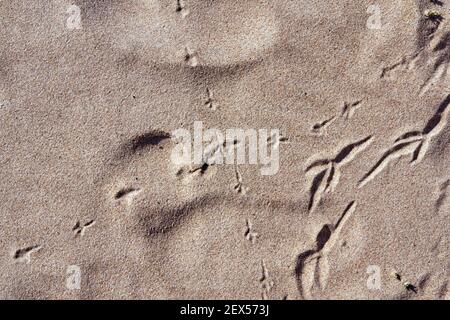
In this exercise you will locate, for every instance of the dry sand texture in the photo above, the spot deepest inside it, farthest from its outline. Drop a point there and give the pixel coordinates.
(93, 207)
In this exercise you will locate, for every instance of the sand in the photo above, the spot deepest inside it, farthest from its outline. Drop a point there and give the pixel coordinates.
(93, 205)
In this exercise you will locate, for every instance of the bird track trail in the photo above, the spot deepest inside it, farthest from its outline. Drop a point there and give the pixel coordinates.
(266, 281)
(350, 108)
(443, 195)
(249, 234)
(328, 171)
(414, 143)
(24, 254)
(313, 263)
(320, 128)
(433, 53)
(80, 229)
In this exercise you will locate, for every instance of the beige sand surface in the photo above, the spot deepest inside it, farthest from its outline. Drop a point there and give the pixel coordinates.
(89, 192)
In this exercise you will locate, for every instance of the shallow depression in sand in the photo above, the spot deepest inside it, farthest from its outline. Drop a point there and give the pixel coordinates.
(215, 33)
